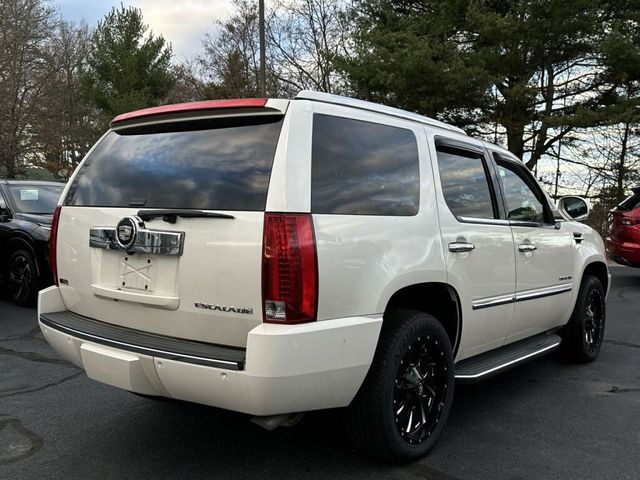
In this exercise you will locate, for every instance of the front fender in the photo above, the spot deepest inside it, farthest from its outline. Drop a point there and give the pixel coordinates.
(589, 251)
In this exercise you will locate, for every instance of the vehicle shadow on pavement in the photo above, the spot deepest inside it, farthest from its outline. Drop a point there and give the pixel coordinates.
(184, 440)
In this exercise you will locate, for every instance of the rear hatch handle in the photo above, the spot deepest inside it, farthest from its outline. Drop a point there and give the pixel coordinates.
(171, 215)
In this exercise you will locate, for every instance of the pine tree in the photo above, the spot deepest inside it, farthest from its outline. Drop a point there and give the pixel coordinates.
(531, 70)
(127, 69)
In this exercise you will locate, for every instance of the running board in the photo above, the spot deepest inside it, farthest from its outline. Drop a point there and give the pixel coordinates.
(497, 361)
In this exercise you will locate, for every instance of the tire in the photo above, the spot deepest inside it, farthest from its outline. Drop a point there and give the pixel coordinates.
(583, 335)
(23, 278)
(380, 420)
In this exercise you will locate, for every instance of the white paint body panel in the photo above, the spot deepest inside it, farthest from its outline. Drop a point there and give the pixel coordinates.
(487, 271)
(552, 260)
(221, 264)
(289, 368)
(363, 261)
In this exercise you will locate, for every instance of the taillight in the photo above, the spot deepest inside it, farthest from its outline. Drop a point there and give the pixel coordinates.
(289, 269)
(628, 221)
(53, 245)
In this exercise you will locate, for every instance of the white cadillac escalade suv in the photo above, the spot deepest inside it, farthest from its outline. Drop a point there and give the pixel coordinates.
(279, 256)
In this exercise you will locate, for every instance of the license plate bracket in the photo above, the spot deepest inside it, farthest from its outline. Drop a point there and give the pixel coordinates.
(137, 272)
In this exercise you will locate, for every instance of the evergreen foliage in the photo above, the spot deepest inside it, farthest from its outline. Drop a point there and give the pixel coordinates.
(536, 70)
(127, 69)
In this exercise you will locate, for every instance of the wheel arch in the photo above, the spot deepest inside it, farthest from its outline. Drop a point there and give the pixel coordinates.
(599, 270)
(435, 298)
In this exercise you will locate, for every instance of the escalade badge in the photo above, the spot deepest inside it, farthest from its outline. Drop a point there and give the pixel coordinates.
(127, 231)
(224, 308)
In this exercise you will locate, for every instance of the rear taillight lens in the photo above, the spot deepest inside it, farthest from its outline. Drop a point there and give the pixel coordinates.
(628, 221)
(289, 268)
(53, 245)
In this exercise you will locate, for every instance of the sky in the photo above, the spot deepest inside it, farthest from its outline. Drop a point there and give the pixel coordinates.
(181, 22)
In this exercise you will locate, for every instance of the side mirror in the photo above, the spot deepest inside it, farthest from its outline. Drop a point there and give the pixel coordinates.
(574, 208)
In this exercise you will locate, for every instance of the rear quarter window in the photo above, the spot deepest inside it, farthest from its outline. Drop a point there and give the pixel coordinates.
(214, 164)
(363, 168)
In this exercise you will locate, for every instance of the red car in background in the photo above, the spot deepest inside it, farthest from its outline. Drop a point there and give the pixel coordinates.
(623, 241)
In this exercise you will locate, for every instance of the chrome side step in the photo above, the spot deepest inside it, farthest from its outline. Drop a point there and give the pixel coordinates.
(497, 361)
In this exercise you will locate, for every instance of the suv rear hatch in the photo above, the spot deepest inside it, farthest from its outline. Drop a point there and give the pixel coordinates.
(161, 229)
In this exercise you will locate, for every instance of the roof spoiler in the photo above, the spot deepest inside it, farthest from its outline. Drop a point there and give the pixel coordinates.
(190, 107)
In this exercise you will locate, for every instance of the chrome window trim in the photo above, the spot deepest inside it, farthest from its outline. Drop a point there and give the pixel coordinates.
(485, 221)
(502, 221)
(147, 241)
(521, 223)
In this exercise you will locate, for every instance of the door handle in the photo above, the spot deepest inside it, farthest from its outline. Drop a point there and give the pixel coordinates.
(459, 247)
(527, 247)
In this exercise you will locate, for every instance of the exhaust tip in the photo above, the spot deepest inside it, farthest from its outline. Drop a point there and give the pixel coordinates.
(271, 422)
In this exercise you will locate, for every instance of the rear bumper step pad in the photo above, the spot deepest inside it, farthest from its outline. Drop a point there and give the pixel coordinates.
(128, 339)
(496, 361)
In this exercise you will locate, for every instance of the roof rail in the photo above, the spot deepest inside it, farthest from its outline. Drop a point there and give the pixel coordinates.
(374, 107)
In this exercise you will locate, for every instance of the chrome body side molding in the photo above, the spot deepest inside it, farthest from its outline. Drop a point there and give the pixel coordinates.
(492, 301)
(543, 292)
(521, 296)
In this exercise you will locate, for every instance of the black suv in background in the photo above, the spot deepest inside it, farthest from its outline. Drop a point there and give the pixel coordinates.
(26, 210)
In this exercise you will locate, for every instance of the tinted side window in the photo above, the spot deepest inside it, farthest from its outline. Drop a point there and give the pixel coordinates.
(522, 203)
(465, 184)
(3, 205)
(363, 168)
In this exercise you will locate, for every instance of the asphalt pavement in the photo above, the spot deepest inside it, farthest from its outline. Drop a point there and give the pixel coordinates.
(545, 420)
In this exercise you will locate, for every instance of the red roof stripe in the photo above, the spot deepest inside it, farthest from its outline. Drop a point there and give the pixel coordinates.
(191, 107)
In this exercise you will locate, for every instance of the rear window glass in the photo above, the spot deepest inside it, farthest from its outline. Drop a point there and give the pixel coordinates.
(221, 164)
(35, 198)
(631, 203)
(363, 168)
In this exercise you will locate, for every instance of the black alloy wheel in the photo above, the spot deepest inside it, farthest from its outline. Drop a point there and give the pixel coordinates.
(594, 321)
(583, 335)
(23, 278)
(405, 399)
(420, 389)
